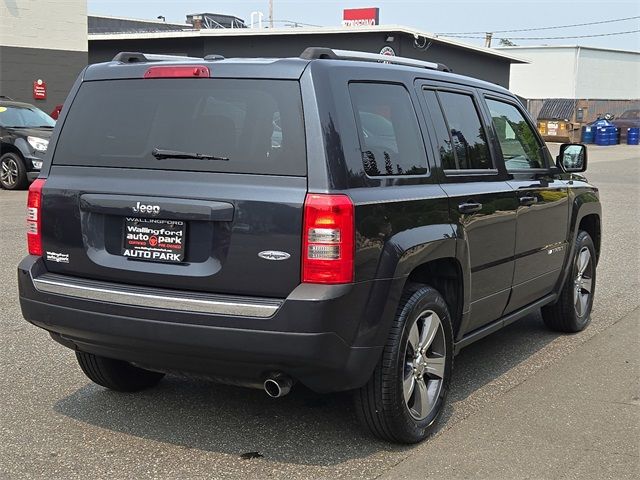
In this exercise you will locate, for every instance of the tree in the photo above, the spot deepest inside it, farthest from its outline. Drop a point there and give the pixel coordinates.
(387, 164)
(505, 42)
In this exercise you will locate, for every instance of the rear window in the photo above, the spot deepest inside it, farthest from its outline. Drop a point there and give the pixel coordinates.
(256, 124)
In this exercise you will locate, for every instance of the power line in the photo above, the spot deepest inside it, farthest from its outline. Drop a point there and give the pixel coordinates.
(551, 38)
(544, 28)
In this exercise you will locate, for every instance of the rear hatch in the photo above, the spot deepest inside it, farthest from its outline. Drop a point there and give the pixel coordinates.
(124, 202)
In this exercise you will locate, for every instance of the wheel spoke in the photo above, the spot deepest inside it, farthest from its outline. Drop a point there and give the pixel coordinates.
(414, 337)
(435, 367)
(421, 404)
(429, 330)
(586, 284)
(583, 299)
(408, 385)
(583, 260)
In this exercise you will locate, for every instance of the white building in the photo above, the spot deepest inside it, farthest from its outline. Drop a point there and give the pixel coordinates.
(599, 80)
(575, 72)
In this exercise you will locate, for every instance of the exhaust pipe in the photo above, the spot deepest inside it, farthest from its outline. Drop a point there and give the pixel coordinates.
(278, 385)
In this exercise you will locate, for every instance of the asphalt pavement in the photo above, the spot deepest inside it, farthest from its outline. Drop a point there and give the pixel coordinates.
(525, 402)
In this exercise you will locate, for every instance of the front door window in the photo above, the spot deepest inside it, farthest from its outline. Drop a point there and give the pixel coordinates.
(520, 147)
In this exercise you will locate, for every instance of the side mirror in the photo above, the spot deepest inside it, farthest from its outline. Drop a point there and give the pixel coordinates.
(572, 158)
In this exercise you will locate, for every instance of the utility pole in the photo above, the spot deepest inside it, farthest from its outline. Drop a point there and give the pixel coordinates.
(487, 39)
(270, 13)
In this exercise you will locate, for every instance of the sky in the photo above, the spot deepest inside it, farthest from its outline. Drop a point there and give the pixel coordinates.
(427, 15)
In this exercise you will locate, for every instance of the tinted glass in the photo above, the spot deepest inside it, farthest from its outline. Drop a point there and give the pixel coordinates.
(256, 124)
(447, 158)
(390, 138)
(468, 139)
(11, 116)
(520, 147)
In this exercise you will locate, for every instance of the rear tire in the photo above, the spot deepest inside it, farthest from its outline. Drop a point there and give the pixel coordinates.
(116, 374)
(407, 391)
(13, 173)
(572, 312)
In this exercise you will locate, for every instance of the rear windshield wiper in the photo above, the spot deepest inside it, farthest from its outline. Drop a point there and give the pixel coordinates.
(162, 154)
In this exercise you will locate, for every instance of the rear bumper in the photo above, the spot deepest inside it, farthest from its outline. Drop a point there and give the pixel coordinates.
(315, 335)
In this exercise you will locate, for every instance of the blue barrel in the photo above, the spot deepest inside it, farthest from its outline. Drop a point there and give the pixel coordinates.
(633, 136)
(588, 134)
(602, 136)
(614, 134)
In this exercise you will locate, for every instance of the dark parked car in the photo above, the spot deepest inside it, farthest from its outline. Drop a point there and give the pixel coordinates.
(24, 137)
(330, 220)
(629, 119)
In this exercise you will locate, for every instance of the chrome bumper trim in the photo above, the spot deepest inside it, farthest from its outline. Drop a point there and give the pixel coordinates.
(196, 302)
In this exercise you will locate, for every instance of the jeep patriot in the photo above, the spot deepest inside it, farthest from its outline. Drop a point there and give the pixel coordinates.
(341, 220)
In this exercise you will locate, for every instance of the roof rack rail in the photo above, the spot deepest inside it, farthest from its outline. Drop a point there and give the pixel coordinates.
(137, 57)
(314, 53)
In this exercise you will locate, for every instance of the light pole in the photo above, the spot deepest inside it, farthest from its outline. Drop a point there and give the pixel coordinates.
(270, 13)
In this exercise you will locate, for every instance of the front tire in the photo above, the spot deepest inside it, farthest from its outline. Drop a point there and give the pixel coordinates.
(407, 391)
(116, 374)
(13, 173)
(572, 312)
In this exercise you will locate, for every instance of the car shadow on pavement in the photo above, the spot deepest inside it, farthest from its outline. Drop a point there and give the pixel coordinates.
(302, 428)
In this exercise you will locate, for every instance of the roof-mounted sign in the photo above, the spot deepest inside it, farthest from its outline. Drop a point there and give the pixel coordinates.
(357, 17)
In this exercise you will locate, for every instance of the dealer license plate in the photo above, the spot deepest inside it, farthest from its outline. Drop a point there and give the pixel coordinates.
(154, 240)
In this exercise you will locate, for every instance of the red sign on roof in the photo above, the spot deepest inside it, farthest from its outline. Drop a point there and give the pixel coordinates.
(356, 17)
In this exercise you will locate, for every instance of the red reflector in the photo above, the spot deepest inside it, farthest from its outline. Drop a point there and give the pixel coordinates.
(328, 239)
(182, 71)
(34, 217)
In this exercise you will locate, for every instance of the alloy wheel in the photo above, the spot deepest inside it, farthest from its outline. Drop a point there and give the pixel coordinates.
(8, 172)
(424, 364)
(583, 284)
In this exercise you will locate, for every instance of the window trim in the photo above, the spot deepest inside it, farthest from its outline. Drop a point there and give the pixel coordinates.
(421, 138)
(541, 142)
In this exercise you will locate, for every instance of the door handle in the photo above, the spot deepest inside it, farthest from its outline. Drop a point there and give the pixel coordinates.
(527, 201)
(469, 207)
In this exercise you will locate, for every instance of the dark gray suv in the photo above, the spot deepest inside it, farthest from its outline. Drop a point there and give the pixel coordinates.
(331, 220)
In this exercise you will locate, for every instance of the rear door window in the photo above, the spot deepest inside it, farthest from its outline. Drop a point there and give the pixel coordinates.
(461, 136)
(256, 124)
(390, 137)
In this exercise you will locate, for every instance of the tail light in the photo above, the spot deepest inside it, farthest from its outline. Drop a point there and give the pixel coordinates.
(328, 239)
(34, 217)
